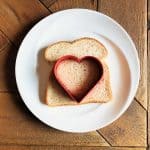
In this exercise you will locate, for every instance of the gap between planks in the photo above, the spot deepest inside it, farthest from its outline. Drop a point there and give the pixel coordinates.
(45, 6)
(140, 104)
(104, 138)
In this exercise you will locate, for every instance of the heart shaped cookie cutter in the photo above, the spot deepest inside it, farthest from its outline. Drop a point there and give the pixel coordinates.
(100, 75)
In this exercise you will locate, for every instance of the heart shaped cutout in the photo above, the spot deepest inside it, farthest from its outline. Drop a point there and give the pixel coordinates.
(78, 76)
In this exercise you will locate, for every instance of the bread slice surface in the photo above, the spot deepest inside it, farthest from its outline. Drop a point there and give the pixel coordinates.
(55, 95)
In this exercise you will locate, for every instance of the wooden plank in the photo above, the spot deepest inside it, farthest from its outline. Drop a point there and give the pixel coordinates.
(7, 68)
(149, 10)
(66, 148)
(129, 130)
(148, 88)
(65, 4)
(3, 41)
(132, 15)
(17, 17)
(18, 126)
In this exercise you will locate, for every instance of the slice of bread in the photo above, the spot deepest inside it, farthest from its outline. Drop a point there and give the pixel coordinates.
(55, 95)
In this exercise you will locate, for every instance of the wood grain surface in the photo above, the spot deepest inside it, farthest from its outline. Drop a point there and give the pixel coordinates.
(67, 4)
(148, 13)
(129, 130)
(19, 126)
(18, 16)
(19, 129)
(3, 41)
(148, 86)
(7, 74)
(148, 72)
(65, 148)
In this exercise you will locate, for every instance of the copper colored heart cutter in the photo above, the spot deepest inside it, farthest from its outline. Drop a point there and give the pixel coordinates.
(89, 86)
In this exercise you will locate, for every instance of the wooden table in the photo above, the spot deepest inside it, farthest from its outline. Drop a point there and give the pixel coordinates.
(19, 129)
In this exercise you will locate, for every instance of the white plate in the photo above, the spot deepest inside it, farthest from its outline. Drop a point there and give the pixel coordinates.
(69, 25)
